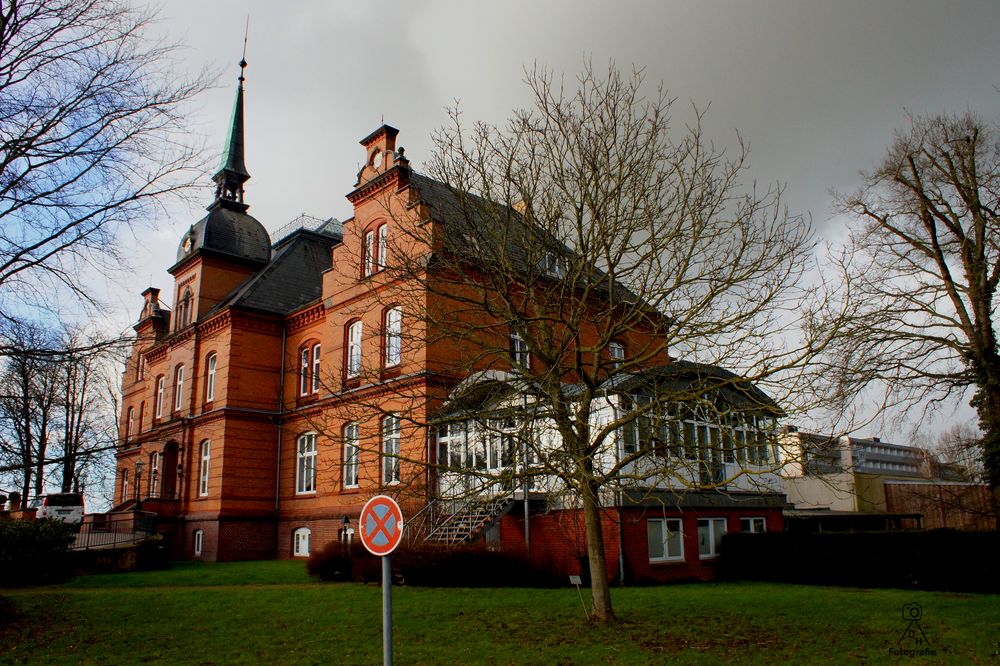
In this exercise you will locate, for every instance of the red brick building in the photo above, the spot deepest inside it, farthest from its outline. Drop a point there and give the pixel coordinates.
(266, 407)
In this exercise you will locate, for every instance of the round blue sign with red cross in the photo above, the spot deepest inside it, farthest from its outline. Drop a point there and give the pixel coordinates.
(381, 525)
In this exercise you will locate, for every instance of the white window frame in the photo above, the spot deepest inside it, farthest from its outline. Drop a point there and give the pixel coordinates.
(663, 529)
(161, 389)
(210, 377)
(351, 437)
(753, 524)
(316, 350)
(519, 354)
(354, 334)
(199, 542)
(178, 388)
(616, 351)
(204, 467)
(381, 246)
(305, 464)
(300, 542)
(130, 424)
(304, 371)
(154, 474)
(369, 252)
(124, 485)
(709, 549)
(393, 336)
(390, 450)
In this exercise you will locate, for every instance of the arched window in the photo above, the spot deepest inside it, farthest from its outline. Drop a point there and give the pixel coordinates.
(381, 246)
(374, 250)
(204, 468)
(315, 368)
(300, 542)
(161, 382)
(354, 349)
(305, 470)
(304, 371)
(210, 378)
(393, 336)
(390, 449)
(199, 542)
(351, 455)
(129, 424)
(154, 474)
(184, 309)
(178, 387)
(124, 478)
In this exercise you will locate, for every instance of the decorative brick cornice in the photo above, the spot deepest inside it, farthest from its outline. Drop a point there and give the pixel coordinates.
(381, 182)
(216, 323)
(303, 318)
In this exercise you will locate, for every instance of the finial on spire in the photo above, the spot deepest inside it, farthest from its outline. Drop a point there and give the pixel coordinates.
(243, 59)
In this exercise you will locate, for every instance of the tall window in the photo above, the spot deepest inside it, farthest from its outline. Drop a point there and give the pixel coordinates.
(154, 474)
(141, 371)
(129, 424)
(616, 351)
(204, 467)
(179, 387)
(199, 541)
(124, 476)
(184, 309)
(161, 383)
(354, 349)
(666, 539)
(315, 368)
(142, 413)
(710, 531)
(369, 260)
(210, 379)
(390, 449)
(351, 455)
(300, 542)
(393, 336)
(519, 351)
(305, 476)
(381, 247)
(304, 372)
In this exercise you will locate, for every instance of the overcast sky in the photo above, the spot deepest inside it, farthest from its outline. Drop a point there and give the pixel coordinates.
(816, 88)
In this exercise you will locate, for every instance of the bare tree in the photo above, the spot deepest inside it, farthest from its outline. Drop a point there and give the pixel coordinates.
(92, 137)
(563, 258)
(920, 276)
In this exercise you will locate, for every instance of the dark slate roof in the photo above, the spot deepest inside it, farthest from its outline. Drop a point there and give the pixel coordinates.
(294, 276)
(228, 231)
(472, 221)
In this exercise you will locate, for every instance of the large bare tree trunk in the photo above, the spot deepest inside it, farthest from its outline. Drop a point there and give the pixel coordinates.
(599, 589)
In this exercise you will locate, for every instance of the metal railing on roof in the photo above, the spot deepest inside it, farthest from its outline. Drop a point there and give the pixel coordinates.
(309, 223)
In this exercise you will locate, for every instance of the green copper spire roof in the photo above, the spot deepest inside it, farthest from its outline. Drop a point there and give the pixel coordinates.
(233, 171)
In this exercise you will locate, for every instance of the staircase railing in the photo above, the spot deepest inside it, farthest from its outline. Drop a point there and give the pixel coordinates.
(114, 532)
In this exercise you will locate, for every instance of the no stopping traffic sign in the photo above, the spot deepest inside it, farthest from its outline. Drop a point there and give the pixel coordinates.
(381, 525)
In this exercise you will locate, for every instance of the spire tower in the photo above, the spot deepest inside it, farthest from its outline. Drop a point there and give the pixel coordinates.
(233, 173)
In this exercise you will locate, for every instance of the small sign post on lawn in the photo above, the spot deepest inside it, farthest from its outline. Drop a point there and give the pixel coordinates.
(381, 531)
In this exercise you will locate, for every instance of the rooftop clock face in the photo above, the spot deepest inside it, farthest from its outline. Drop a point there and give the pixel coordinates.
(377, 159)
(187, 244)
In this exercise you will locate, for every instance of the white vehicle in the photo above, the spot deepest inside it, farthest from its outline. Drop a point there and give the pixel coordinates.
(66, 507)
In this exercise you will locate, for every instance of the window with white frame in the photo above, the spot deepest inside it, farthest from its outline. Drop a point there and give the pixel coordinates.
(666, 539)
(369, 252)
(451, 445)
(130, 424)
(351, 455)
(179, 387)
(199, 542)
(300, 542)
(390, 449)
(154, 474)
(519, 353)
(305, 475)
(382, 247)
(315, 368)
(204, 467)
(616, 351)
(354, 349)
(710, 531)
(161, 383)
(754, 525)
(304, 371)
(210, 378)
(393, 336)
(124, 477)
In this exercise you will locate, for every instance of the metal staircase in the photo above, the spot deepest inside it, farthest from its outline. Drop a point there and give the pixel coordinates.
(469, 520)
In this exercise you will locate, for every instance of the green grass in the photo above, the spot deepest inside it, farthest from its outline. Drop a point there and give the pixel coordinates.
(271, 613)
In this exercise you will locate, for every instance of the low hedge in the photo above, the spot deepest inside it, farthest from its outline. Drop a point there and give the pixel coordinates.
(945, 559)
(430, 565)
(33, 552)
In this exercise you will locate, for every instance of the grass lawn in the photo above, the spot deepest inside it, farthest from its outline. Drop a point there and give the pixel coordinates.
(272, 613)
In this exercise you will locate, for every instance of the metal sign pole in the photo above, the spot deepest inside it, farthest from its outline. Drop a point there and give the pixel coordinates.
(387, 610)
